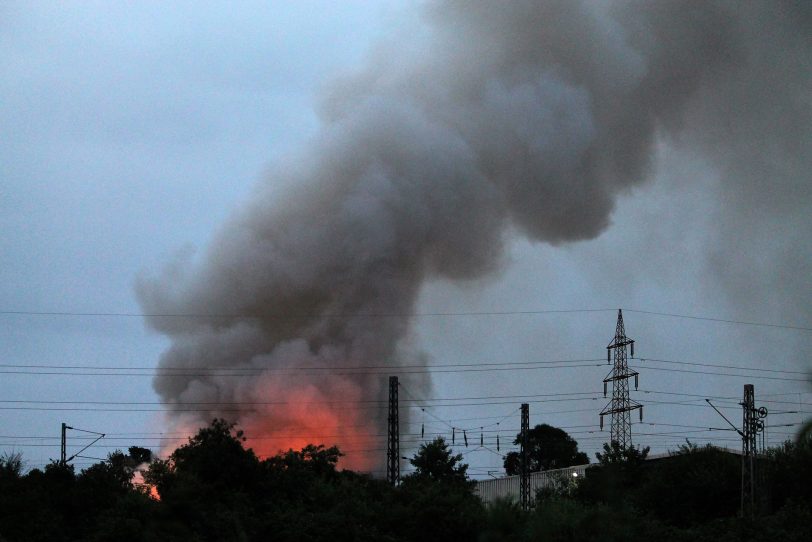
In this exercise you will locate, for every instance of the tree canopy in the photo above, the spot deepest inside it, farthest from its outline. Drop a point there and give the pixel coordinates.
(548, 448)
(613, 453)
(434, 460)
(213, 488)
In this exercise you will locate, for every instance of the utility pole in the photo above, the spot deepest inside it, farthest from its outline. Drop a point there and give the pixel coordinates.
(752, 425)
(748, 452)
(620, 406)
(63, 454)
(393, 436)
(524, 473)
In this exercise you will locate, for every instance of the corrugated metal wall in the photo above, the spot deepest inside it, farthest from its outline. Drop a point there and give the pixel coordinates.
(508, 487)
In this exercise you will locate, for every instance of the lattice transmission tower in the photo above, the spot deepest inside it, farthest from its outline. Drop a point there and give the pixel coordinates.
(621, 405)
(524, 452)
(393, 435)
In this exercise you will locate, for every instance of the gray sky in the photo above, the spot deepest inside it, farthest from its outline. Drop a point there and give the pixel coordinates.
(132, 132)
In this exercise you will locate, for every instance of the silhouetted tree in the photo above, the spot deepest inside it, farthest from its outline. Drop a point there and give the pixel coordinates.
(318, 460)
(139, 455)
(693, 485)
(805, 433)
(286, 474)
(437, 500)
(616, 477)
(209, 484)
(788, 471)
(613, 454)
(11, 466)
(434, 460)
(548, 448)
(213, 457)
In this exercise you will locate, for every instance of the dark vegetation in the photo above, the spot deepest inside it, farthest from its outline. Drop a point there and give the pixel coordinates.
(548, 448)
(213, 489)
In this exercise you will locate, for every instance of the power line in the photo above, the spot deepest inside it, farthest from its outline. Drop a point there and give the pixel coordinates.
(297, 316)
(361, 369)
(721, 320)
(223, 410)
(762, 377)
(433, 402)
(361, 407)
(759, 369)
(652, 436)
(343, 401)
(423, 407)
(255, 372)
(354, 436)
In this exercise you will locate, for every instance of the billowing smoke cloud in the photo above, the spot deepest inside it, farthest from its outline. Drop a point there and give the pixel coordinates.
(495, 118)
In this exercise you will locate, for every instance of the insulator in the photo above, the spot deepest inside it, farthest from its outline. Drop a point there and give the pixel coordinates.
(632, 348)
(453, 434)
(641, 413)
(635, 381)
(608, 356)
(497, 443)
(604, 389)
(422, 430)
(465, 437)
(482, 437)
(601, 423)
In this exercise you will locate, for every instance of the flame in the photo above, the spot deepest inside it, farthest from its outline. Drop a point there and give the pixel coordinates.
(330, 412)
(153, 493)
(141, 484)
(287, 414)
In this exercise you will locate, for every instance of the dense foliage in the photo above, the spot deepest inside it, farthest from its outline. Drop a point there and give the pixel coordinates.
(548, 447)
(213, 488)
(692, 496)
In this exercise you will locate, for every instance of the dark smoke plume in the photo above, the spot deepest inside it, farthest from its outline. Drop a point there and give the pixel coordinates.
(494, 119)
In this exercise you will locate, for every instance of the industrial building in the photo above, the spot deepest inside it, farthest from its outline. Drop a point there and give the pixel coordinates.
(509, 487)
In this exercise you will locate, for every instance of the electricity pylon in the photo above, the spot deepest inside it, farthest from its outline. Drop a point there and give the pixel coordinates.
(620, 406)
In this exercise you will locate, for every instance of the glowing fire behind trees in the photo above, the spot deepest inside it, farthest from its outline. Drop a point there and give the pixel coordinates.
(278, 413)
(305, 416)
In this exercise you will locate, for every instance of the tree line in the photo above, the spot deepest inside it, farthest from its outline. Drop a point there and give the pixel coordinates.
(213, 488)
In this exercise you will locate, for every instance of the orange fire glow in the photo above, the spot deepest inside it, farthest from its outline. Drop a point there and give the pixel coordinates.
(292, 413)
(139, 482)
(307, 414)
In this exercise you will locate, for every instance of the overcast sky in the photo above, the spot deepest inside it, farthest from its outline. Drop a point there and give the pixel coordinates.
(131, 132)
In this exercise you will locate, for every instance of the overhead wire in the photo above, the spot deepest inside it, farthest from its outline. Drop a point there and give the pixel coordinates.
(721, 320)
(294, 316)
(762, 377)
(420, 403)
(299, 316)
(255, 372)
(361, 369)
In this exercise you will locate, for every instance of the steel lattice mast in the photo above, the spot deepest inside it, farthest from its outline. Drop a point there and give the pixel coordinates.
(393, 435)
(621, 405)
(750, 428)
(524, 474)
